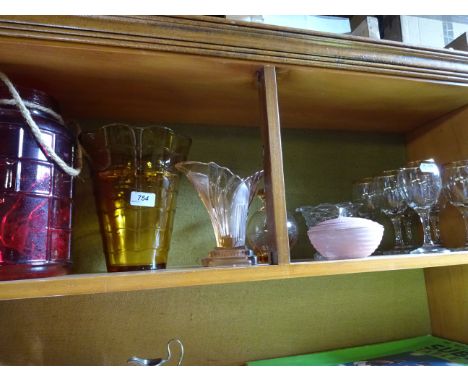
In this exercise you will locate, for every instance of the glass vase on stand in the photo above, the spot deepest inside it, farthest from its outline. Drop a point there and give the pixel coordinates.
(226, 197)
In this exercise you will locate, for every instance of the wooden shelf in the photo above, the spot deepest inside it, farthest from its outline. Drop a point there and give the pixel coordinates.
(202, 71)
(196, 276)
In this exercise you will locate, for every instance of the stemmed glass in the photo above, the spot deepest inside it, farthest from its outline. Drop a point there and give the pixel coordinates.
(434, 216)
(362, 197)
(421, 186)
(388, 197)
(405, 219)
(455, 180)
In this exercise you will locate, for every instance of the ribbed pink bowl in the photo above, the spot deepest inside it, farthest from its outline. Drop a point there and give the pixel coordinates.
(336, 242)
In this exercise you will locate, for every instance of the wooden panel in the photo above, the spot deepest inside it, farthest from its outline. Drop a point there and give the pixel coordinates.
(175, 278)
(273, 165)
(114, 83)
(216, 37)
(329, 99)
(444, 139)
(219, 325)
(447, 288)
(142, 70)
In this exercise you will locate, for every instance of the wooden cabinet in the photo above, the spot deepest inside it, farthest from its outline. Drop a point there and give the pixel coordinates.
(213, 72)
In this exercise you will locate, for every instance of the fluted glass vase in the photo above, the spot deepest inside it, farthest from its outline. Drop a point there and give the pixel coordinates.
(226, 197)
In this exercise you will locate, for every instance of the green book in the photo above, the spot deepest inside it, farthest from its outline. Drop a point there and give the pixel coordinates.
(424, 350)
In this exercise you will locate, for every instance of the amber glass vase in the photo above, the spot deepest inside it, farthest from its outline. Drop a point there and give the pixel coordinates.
(135, 189)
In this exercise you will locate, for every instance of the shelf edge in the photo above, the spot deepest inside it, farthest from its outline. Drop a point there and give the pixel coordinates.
(176, 278)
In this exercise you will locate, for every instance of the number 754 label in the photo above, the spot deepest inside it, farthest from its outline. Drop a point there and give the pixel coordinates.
(142, 199)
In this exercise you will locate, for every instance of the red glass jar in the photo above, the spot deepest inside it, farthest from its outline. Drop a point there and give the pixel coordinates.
(35, 194)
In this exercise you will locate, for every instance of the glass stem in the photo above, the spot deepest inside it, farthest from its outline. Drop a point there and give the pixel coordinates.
(464, 212)
(408, 228)
(434, 217)
(396, 221)
(424, 215)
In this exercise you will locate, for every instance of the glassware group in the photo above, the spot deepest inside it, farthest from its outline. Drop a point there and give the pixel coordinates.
(455, 179)
(422, 188)
(136, 173)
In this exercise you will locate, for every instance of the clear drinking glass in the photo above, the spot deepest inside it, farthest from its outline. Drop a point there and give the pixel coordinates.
(434, 216)
(388, 197)
(362, 197)
(421, 186)
(455, 180)
(405, 219)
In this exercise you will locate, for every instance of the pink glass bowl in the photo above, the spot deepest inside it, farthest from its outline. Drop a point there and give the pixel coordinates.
(337, 239)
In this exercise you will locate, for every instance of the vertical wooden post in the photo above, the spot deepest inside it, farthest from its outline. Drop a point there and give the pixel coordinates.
(273, 165)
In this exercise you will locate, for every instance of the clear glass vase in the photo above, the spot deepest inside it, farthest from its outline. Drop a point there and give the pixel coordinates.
(258, 237)
(226, 197)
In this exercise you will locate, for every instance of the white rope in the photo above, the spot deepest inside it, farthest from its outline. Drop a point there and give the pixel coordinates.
(33, 105)
(36, 131)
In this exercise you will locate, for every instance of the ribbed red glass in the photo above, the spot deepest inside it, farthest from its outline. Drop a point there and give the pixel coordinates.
(35, 195)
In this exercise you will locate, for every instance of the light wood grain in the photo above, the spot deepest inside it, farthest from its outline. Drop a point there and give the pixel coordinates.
(447, 288)
(176, 278)
(273, 165)
(216, 37)
(199, 70)
(172, 70)
(219, 325)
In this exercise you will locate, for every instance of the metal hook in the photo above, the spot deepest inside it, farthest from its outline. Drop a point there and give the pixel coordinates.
(159, 361)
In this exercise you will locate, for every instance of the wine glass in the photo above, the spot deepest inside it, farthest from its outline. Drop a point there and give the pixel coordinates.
(405, 219)
(388, 197)
(362, 197)
(455, 180)
(421, 186)
(434, 216)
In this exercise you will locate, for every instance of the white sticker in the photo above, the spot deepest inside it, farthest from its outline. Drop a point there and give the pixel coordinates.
(142, 199)
(429, 167)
